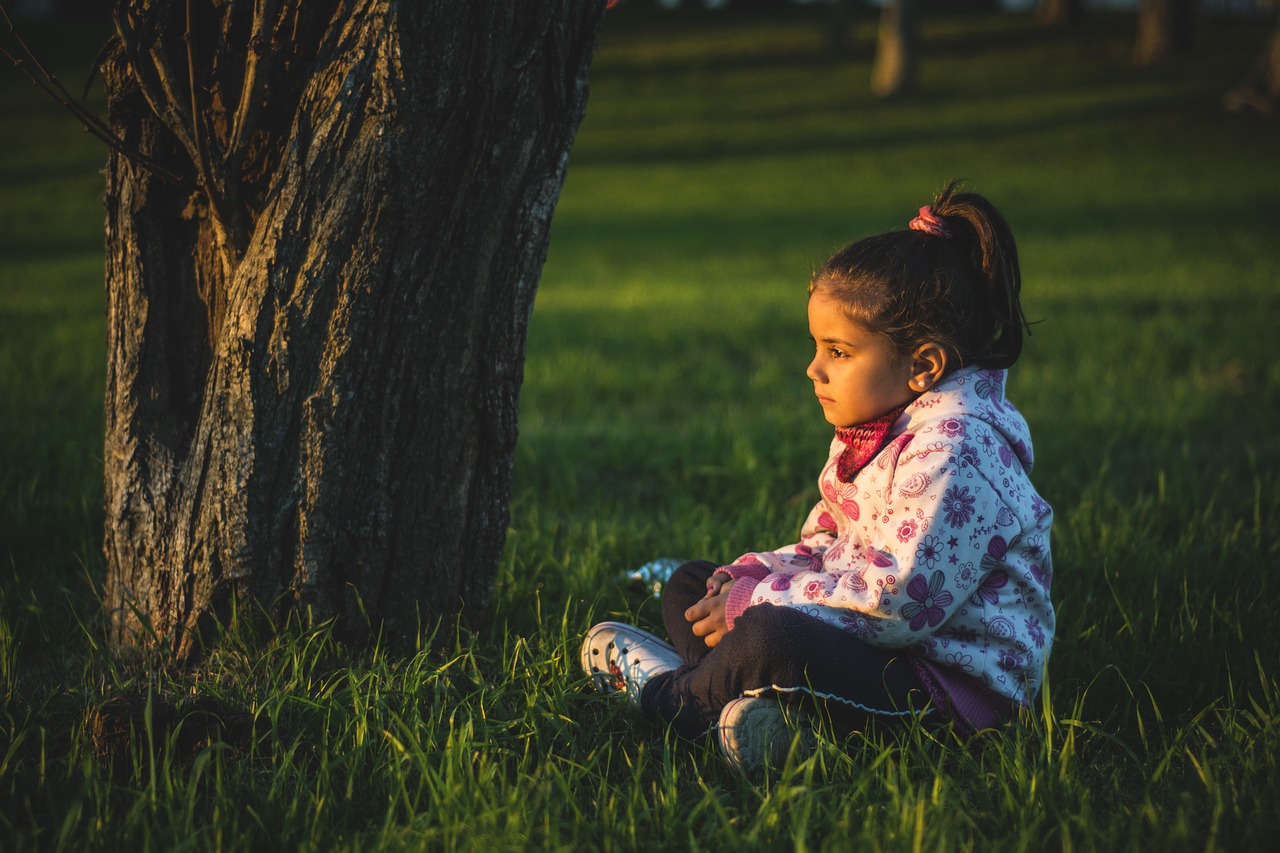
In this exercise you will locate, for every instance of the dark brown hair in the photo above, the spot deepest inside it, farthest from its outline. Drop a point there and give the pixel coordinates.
(959, 291)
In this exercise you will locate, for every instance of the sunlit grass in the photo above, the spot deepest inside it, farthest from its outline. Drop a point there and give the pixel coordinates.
(665, 413)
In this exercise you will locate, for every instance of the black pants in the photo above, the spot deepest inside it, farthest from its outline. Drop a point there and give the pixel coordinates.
(778, 652)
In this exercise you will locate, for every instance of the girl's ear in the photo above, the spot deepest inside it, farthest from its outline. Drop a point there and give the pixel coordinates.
(928, 366)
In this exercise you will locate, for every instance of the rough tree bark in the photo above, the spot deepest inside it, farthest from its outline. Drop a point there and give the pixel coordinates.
(1164, 30)
(897, 49)
(316, 337)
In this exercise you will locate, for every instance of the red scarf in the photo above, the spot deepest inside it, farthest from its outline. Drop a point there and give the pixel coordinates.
(862, 443)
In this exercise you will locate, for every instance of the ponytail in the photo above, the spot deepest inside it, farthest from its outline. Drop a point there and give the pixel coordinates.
(994, 255)
(950, 278)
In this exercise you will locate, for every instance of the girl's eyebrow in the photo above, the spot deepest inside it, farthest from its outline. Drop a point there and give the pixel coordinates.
(831, 340)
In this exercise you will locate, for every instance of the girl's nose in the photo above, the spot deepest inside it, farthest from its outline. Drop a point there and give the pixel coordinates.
(813, 372)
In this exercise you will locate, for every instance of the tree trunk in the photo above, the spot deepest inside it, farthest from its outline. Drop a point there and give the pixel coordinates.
(316, 332)
(1164, 30)
(897, 49)
(1260, 87)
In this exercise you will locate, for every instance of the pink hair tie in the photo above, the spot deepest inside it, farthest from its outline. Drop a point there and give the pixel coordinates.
(930, 223)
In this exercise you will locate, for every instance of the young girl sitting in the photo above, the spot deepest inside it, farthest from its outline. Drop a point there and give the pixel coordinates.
(920, 584)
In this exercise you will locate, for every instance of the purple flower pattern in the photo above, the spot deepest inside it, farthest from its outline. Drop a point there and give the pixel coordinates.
(928, 601)
(989, 590)
(1043, 573)
(957, 506)
(1035, 632)
(929, 551)
(860, 625)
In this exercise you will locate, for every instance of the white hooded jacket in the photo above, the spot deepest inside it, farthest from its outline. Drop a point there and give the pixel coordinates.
(940, 544)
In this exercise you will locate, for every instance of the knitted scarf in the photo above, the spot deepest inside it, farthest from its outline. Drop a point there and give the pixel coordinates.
(862, 442)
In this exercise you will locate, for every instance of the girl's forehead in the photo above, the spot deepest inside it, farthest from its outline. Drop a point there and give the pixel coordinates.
(828, 318)
(822, 302)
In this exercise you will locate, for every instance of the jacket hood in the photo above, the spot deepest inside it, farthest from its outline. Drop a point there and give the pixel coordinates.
(973, 392)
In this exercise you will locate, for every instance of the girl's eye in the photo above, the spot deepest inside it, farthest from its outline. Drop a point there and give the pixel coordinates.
(835, 353)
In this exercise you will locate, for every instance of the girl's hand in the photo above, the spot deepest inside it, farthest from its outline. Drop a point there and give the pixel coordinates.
(707, 615)
(714, 583)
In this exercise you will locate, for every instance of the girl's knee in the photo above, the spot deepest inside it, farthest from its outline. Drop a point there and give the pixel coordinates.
(772, 621)
(775, 638)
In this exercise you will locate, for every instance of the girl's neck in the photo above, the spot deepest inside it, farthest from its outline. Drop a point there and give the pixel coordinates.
(863, 442)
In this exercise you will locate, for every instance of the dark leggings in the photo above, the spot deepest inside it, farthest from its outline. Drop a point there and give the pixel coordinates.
(778, 652)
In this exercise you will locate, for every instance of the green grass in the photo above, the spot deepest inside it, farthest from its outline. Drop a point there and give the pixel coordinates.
(665, 413)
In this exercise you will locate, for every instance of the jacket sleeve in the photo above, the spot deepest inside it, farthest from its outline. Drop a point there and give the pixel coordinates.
(941, 530)
(817, 535)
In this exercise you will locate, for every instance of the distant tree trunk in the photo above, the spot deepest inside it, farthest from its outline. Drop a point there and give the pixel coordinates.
(316, 336)
(1260, 88)
(1164, 30)
(1060, 13)
(897, 49)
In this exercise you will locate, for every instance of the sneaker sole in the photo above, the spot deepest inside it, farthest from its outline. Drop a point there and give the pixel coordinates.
(754, 733)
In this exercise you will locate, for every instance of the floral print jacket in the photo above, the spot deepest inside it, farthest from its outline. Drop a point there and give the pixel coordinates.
(940, 544)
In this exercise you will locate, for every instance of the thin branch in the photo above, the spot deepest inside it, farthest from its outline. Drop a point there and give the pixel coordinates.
(197, 137)
(49, 83)
(161, 90)
(95, 69)
(225, 218)
(173, 104)
(243, 125)
(155, 100)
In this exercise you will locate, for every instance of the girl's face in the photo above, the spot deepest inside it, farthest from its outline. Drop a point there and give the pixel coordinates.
(857, 375)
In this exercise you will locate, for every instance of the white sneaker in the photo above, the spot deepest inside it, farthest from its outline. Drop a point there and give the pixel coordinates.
(755, 732)
(621, 657)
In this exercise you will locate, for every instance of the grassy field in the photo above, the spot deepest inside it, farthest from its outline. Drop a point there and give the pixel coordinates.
(665, 413)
